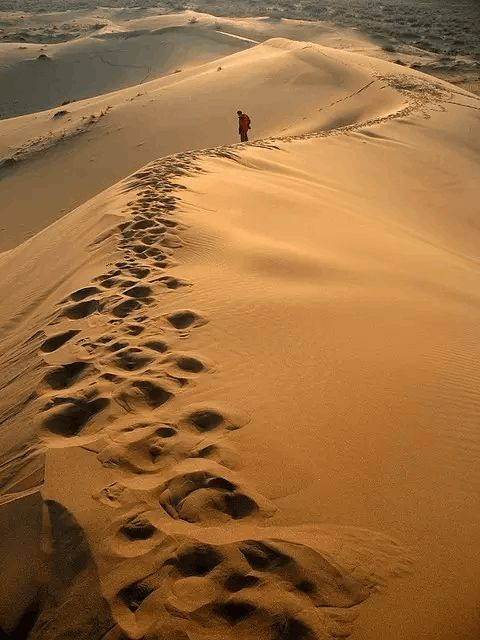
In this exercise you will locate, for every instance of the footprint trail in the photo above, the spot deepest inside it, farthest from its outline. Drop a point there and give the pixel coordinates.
(178, 561)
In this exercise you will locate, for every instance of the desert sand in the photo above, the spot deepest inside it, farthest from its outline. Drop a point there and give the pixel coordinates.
(239, 383)
(122, 67)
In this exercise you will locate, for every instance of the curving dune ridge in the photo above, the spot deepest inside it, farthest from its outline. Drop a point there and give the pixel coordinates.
(296, 88)
(241, 394)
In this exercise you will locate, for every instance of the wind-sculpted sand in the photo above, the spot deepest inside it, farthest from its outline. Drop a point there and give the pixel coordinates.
(111, 400)
(69, 106)
(239, 387)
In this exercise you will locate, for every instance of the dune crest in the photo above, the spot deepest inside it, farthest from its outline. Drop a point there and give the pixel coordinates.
(290, 86)
(109, 413)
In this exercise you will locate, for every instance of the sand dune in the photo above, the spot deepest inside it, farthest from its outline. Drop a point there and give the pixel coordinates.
(66, 141)
(239, 388)
(289, 87)
(93, 53)
(108, 59)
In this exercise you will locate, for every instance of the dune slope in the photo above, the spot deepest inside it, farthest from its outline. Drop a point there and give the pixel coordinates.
(37, 78)
(48, 58)
(82, 148)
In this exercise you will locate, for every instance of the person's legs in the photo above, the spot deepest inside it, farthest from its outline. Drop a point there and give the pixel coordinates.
(243, 136)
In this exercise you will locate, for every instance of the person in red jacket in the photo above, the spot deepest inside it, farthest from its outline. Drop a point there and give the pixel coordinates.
(243, 125)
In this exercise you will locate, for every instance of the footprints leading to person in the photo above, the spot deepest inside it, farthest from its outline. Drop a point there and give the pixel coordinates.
(113, 385)
(134, 372)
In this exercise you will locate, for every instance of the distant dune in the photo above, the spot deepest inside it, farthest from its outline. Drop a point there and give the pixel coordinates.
(449, 29)
(239, 391)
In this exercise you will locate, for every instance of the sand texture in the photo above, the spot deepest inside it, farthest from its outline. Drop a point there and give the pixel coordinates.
(239, 383)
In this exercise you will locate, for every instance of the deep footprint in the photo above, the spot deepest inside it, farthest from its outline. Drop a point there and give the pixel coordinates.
(138, 528)
(66, 375)
(206, 420)
(70, 418)
(153, 395)
(185, 319)
(81, 294)
(131, 359)
(82, 309)
(133, 595)
(226, 594)
(172, 283)
(134, 329)
(197, 560)
(139, 272)
(157, 345)
(187, 364)
(139, 292)
(55, 342)
(192, 497)
(125, 308)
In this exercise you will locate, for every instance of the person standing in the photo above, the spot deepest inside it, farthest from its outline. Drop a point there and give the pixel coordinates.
(244, 123)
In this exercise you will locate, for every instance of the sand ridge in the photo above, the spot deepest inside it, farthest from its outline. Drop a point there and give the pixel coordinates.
(77, 137)
(215, 68)
(111, 50)
(170, 469)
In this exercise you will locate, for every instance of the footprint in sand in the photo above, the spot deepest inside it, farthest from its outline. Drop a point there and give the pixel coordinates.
(156, 345)
(82, 309)
(149, 448)
(82, 294)
(204, 418)
(172, 283)
(256, 588)
(129, 358)
(55, 342)
(146, 448)
(203, 497)
(185, 319)
(125, 308)
(181, 364)
(139, 292)
(69, 416)
(142, 394)
(139, 272)
(134, 329)
(67, 375)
